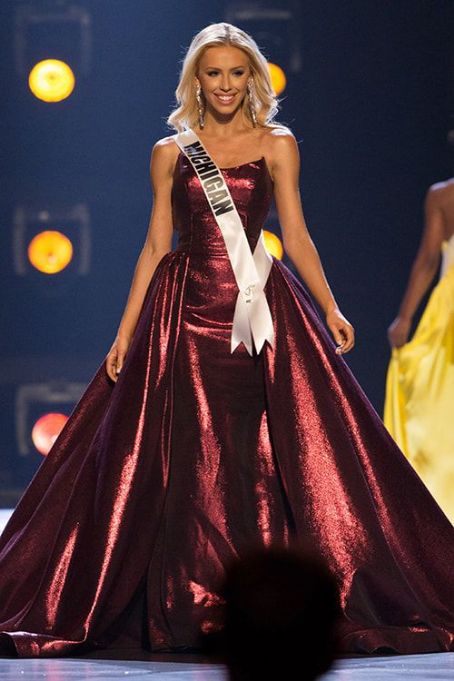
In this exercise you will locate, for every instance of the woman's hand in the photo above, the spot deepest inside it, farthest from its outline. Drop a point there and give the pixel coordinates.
(116, 356)
(399, 331)
(342, 330)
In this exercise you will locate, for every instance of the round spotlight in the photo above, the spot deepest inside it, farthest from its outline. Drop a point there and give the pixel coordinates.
(51, 80)
(46, 430)
(278, 79)
(50, 251)
(273, 244)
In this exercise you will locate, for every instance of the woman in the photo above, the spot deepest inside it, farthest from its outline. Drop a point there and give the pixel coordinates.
(208, 430)
(420, 378)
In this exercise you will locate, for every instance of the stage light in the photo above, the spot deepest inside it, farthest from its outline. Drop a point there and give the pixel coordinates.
(53, 239)
(50, 251)
(278, 78)
(46, 430)
(273, 244)
(47, 38)
(51, 80)
(41, 411)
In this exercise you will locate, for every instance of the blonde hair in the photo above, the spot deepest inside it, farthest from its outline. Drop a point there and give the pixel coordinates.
(185, 115)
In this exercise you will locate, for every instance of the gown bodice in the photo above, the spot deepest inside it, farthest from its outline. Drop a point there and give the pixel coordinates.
(251, 187)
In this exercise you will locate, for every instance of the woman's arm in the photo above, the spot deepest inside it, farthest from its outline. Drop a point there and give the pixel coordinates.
(297, 241)
(158, 242)
(423, 269)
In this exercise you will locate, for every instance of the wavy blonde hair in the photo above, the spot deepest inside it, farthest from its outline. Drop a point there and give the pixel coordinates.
(185, 115)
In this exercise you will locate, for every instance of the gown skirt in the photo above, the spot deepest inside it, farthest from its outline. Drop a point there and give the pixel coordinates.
(195, 454)
(419, 399)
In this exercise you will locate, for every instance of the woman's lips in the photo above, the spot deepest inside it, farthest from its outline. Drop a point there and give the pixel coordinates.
(225, 100)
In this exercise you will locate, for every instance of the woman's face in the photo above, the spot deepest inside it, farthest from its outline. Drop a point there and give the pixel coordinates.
(223, 75)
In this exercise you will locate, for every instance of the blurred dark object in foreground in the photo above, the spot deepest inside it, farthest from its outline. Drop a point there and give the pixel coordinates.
(281, 614)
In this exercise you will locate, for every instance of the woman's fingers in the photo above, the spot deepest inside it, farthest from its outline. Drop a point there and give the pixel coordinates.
(115, 358)
(397, 338)
(111, 362)
(399, 331)
(350, 338)
(345, 338)
(343, 332)
(119, 363)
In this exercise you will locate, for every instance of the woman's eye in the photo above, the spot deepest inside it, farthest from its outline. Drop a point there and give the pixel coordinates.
(237, 73)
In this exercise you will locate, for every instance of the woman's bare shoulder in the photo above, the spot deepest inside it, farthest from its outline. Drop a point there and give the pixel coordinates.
(164, 154)
(281, 142)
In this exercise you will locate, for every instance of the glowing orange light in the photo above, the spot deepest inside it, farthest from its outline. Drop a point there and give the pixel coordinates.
(51, 80)
(278, 79)
(273, 244)
(46, 430)
(50, 251)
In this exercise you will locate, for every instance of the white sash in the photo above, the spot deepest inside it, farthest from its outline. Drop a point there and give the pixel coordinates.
(252, 313)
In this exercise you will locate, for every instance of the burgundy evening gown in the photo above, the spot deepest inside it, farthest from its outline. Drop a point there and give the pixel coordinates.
(157, 481)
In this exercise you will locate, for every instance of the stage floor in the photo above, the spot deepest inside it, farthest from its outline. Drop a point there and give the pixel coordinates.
(427, 667)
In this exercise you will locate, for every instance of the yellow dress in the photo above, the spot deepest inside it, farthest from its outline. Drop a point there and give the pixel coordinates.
(419, 399)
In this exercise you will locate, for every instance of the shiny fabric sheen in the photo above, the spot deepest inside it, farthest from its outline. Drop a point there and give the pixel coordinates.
(195, 454)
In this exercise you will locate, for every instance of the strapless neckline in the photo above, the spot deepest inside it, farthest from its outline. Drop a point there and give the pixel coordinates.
(240, 165)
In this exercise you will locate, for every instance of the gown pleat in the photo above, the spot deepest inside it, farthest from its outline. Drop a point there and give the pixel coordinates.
(196, 454)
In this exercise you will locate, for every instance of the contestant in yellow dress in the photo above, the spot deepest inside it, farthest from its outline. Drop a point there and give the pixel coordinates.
(419, 400)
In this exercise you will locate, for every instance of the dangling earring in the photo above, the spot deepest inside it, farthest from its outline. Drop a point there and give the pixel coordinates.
(200, 107)
(251, 100)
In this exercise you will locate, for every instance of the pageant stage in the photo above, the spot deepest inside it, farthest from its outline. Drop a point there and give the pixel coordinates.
(427, 667)
(187, 667)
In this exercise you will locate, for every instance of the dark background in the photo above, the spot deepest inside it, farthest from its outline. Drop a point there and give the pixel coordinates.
(369, 97)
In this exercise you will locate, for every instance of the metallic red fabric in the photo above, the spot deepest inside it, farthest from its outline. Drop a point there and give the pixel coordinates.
(195, 454)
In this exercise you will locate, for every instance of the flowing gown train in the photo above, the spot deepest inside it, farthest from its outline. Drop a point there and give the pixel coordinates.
(158, 480)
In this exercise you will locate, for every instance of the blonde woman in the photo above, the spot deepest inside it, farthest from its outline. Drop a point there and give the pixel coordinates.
(223, 417)
(419, 399)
